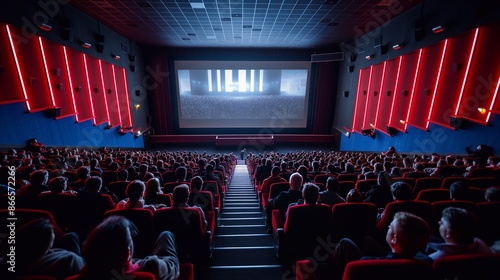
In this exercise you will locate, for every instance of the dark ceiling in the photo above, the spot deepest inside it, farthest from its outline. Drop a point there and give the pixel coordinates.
(316, 24)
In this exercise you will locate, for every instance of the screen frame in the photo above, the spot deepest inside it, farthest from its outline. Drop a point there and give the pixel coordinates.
(279, 129)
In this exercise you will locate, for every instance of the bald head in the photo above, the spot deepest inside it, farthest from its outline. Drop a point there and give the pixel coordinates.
(295, 181)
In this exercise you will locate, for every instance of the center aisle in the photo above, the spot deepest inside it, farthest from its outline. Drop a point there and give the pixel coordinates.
(243, 250)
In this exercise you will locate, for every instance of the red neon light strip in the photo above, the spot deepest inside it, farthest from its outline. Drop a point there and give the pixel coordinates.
(47, 71)
(116, 95)
(395, 89)
(18, 68)
(127, 98)
(367, 96)
(467, 71)
(380, 94)
(493, 101)
(104, 92)
(357, 100)
(70, 83)
(437, 82)
(88, 86)
(413, 88)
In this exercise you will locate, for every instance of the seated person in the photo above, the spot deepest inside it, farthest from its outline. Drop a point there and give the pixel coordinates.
(310, 196)
(330, 195)
(458, 228)
(354, 195)
(109, 249)
(459, 191)
(153, 192)
(180, 197)
(380, 194)
(265, 188)
(284, 199)
(135, 197)
(492, 194)
(407, 238)
(36, 253)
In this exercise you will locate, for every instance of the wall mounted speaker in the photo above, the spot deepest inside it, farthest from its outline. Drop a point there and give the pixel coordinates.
(364, 92)
(78, 89)
(427, 91)
(59, 86)
(350, 68)
(53, 112)
(32, 81)
(346, 93)
(455, 67)
(132, 67)
(391, 130)
(56, 72)
(404, 92)
(137, 93)
(99, 48)
(324, 57)
(455, 122)
(388, 93)
(375, 93)
(96, 90)
(353, 57)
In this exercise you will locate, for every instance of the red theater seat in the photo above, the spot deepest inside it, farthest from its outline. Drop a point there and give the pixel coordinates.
(395, 269)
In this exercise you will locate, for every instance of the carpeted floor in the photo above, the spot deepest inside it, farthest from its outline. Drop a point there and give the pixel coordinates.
(243, 250)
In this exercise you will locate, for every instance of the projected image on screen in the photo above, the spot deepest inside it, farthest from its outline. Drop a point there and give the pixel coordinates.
(245, 96)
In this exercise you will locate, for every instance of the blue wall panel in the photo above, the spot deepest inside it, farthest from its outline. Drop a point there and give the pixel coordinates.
(437, 139)
(17, 125)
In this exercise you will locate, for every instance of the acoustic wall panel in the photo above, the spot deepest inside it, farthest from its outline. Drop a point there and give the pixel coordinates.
(387, 93)
(361, 99)
(452, 74)
(373, 96)
(78, 84)
(59, 85)
(110, 92)
(10, 90)
(426, 84)
(28, 53)
(96, 88)
(123, 96)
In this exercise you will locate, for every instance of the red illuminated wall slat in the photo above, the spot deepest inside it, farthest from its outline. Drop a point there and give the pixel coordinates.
(95, 86)
(361, 99)
(403, 93)
(452, 74)
(425, 84)
(32, 70)
(59, 78)
(78, 80)
(374, 95)
(387, 94)
(10, 89)
(123, 96)
(482, 78)
(111, 94)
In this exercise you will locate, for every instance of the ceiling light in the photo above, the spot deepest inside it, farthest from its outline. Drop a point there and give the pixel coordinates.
(45, 27)
(397, 46)
(197, 5)
(438, 29)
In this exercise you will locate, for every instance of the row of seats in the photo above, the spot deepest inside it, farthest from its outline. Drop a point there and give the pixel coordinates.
(297, 235)
(460, 267)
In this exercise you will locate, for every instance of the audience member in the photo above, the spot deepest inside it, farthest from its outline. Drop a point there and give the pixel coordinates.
(310, 196)
(38, 184)
(135, 197)
(152, 195)
(180, 197)
(459, 190)
(492, 194)
(330, 196)
(458, 228)
(109, 248)
(380, 194)
(36, 253)
(354, 195)
(265, 188)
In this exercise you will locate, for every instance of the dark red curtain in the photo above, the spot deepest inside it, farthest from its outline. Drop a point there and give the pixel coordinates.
(325, 88)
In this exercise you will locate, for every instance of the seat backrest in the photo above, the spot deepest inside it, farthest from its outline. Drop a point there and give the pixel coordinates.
(450, 180)
(211, 186)
(483, 182)
(365, 185)
(276, 188)
(347, 177)
(410, 181)
(181, 221)
(168, 176)
(481, 172)
(427, 183)
(345, 187)
(423, 209)
(308, 220)
(62, 206)
(468, 267)
(119, 189)
(433, 195)
(353, 220)
(203, 199)
(394, 269)
(321, 178)
(487, 213)
(168, 187)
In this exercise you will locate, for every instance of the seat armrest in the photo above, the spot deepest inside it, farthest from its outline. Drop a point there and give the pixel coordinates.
(187, 271)
(277, 220)
(304, 270)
